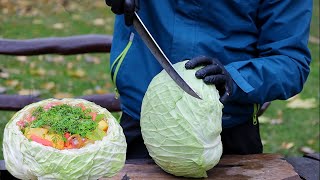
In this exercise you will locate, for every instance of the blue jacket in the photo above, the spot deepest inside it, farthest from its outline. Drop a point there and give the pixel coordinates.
(262, 44)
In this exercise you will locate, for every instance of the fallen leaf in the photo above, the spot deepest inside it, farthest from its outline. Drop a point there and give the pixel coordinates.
(51, 72)
(108, 85)
(76, 17)
(3, 90)
(78, 73)
(109, 21)
(287, 145)
(49, 85)
(262, 119)
(31, 92)
(278, 120)
(55, 59)
(99, 4)
(32, 65)
(38, 72)
(294, 97)
(61, 95)
(296, 102)
(5, 11)
(315, 122)
(58, 59)
(41, 57)
(99, 90)
(310, 141)
(4, 75)
(88, 92)
(22, 59)
(314, 40)
(78, 57)
(73, 6)
(13, 71)
(306, 150)
(37, 21)
(264, 142)
(99, 22)
(69, 65)
(108, 28)
(92, 59)
(58, 26)
(12, 83)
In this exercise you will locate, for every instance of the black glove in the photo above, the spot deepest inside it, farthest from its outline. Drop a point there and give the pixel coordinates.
(126, 7)
(213, 73)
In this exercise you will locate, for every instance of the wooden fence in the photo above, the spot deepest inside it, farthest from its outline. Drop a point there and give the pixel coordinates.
(57, 45)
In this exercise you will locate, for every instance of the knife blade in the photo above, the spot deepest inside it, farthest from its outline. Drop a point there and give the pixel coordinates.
(160, 56)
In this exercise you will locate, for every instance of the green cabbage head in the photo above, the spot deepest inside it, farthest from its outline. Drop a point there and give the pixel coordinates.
(30, 160)
(182, 133)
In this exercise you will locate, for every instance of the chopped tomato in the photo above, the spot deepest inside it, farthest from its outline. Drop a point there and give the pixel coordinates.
(93, 115)
(51, 104)
(40, 140)
(67, 135)
(30, 118)
(75, 141)
(21, 123)
(82, 106)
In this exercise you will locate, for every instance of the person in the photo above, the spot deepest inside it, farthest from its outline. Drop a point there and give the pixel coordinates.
(253, 51)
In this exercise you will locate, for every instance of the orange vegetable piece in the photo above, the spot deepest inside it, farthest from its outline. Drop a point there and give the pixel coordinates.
(40, 140)
(56, 140)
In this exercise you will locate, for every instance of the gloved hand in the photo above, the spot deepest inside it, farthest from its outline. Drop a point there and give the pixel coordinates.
(126, 7)
(213, 72)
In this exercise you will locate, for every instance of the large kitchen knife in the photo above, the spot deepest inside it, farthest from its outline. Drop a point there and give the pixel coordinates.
(160, 56)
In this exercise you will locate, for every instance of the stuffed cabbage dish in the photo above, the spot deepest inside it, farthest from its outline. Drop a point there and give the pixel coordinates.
(63, 126)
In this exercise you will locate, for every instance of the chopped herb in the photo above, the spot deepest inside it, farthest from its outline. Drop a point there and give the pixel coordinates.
(64, 118)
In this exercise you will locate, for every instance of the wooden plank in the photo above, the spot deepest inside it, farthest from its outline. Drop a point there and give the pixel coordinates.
(92, 43)
(231, 167)
(17, 102)
(2, 165)
(315, 156)
(306, 167)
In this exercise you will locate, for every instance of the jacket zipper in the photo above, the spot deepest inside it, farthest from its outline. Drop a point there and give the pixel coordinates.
(256, 108)
(117, 63)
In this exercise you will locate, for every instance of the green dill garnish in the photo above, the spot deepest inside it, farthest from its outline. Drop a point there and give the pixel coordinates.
(64, 118)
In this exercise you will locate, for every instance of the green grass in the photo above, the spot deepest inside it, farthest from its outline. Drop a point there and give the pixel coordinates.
(300, 127)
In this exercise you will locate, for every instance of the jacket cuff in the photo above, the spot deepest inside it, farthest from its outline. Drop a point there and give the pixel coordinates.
(240, 86)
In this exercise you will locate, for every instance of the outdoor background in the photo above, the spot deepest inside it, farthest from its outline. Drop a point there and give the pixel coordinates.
(290, 127)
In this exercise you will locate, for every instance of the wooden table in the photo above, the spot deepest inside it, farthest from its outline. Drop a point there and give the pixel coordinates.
(308, 166)
(230, 167)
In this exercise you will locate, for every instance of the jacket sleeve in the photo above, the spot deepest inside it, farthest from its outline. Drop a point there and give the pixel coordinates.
(282, 66)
